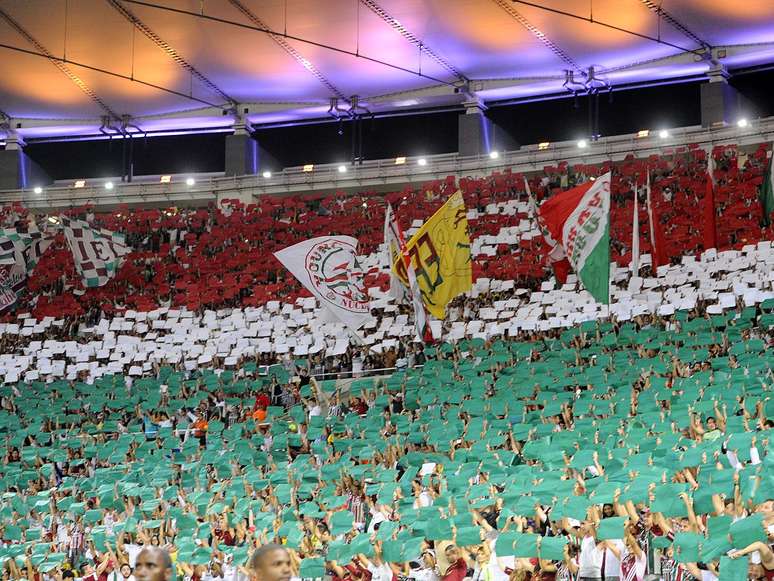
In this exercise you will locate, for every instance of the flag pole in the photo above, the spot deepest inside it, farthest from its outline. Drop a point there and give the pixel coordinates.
(420, 315)
(636, 232)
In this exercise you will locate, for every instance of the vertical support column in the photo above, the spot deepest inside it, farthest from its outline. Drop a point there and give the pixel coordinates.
(478, 135)
(17, 170)
(720, 102)
(241, 151)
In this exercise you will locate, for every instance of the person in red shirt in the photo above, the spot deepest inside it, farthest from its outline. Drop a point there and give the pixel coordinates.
(458, 567)
(261, 401)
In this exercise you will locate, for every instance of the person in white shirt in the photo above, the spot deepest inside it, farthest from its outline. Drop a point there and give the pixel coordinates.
(425, 569)
(124, 573)
(611, 559)
(590, 560)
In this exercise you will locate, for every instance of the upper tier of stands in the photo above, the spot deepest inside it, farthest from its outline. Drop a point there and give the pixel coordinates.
(222, 256)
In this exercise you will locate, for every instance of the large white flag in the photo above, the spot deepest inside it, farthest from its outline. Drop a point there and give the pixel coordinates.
(392, 245)
(97, 253)
(328, 267)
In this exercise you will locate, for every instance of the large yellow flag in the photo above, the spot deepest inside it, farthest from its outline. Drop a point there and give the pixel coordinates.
(440, 254)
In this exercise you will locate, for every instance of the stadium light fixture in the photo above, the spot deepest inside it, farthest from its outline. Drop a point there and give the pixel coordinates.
(583, 144)
(108, 185)
(742, 123)
(422, 161)
(190, 182)
(400, 160)
(79, 183)
(494, 154)
(643, 133)
(309, 167)
(543, 145)
(266, 174)
(663, 134)
(342, 168)
(38, 190)
(165, 179)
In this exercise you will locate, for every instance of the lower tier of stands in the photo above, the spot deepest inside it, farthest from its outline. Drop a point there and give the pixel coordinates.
(630, 446)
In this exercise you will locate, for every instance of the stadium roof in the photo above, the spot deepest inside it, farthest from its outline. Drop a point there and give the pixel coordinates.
(82, 67)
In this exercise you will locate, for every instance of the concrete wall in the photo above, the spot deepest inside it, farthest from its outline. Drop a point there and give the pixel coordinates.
(18, 171)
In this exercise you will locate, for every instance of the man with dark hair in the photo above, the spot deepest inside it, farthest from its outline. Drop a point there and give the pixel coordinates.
(153, 564)
(270, 563)
(458, 567)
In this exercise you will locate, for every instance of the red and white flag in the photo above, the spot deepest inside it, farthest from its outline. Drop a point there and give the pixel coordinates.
(709, 230)
(658, 252)
(579, 219)
(636, 232)
(556, 256)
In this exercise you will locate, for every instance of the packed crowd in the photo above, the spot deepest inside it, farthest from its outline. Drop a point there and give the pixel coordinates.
(136, 343)
(541, 438)
(601, 451)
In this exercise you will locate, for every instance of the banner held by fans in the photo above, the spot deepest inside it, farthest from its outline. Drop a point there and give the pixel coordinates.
(97, 253)
(328, 267)
(19, 254)
(440, 254)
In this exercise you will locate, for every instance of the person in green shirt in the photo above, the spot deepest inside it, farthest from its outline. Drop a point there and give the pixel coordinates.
(714, 428)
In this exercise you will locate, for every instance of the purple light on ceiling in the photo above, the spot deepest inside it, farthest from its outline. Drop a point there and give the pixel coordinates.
(57, 130)
(647, 73)
(526, 90)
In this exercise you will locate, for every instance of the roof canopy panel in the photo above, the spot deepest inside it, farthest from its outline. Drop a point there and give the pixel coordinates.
(188, 64)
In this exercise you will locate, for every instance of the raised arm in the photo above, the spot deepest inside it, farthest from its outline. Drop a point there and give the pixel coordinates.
(767, 556)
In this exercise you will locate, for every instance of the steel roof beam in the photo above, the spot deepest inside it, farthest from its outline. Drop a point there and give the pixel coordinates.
(591, 20)
(58, 63)
(169, 50)
(667, 17)
(539, 34)
(288, 48)
(409, 36)
(300, 39)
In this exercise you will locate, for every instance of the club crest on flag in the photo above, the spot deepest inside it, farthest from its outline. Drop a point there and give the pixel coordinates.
(10, 280)
(337, 275)
(587, 223)
(328, 267)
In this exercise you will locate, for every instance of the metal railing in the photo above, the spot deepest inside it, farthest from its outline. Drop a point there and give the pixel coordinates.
(385, 174)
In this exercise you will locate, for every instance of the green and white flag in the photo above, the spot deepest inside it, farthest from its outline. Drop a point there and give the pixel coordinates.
(580, 220)
(97, 253)
(767, 191)
(19, 254)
